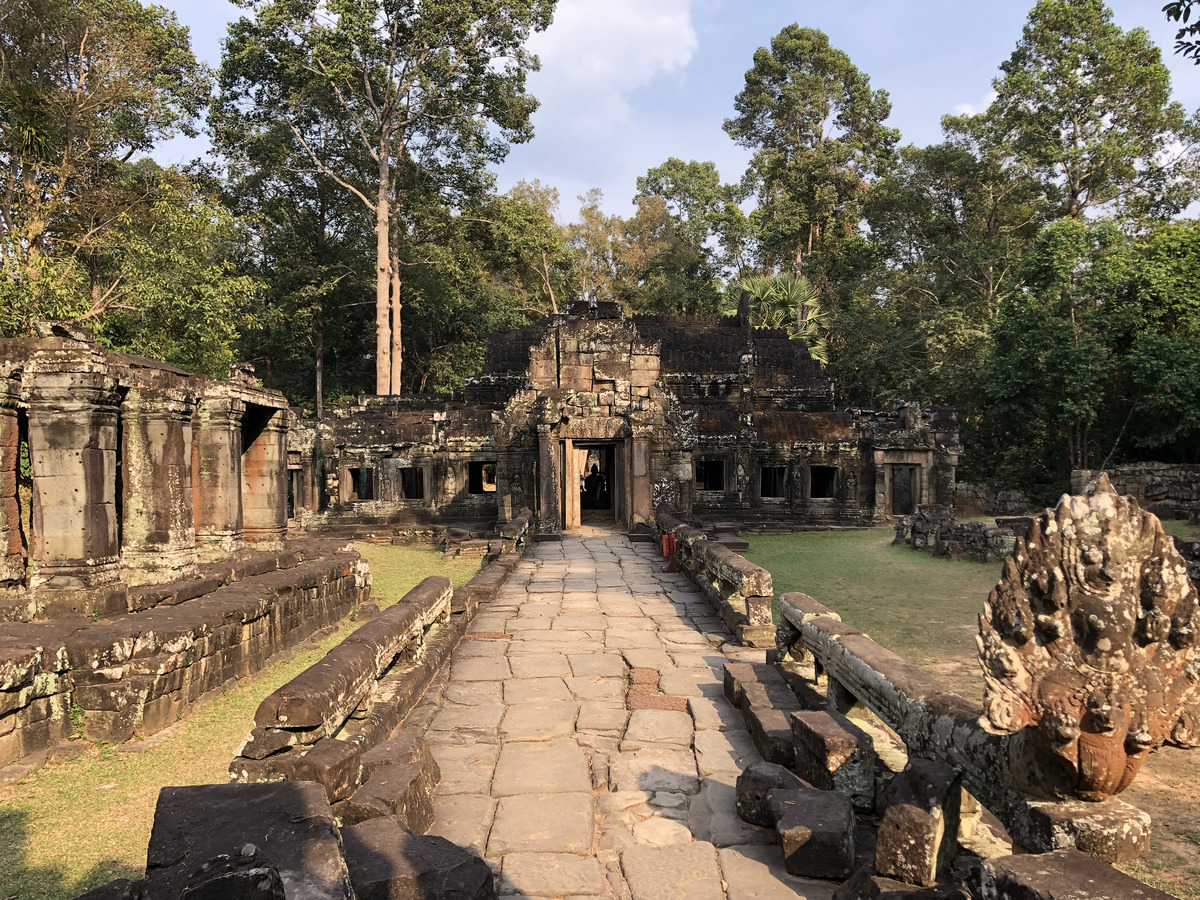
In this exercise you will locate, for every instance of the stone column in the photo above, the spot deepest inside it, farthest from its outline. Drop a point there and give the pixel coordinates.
(217, 476)
(643, 491)
(548, 484)
(158, 531)
(12, 563)
(571, 498)
(73, 454)
(264, 484)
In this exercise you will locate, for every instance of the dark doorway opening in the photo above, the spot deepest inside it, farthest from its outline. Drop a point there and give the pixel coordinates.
(362, 484)
(822, 482)
(773, 482)
(904, 489)
(597, 485)
(710, 474)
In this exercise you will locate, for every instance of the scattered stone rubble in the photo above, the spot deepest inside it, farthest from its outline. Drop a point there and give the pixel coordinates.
(934, 529)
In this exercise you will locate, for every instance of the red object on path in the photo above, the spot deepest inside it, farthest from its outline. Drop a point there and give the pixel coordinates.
(669, 552)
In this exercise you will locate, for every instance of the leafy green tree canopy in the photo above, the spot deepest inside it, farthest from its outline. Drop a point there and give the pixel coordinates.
(1088, 107)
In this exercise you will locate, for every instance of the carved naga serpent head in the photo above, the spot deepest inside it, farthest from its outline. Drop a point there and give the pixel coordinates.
(1088, 647)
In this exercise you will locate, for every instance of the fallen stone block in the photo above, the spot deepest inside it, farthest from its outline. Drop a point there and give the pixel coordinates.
(332, 763)
(833, 754)
(407, 748)
(1060, 875)
(402, 790)
(918, 836)
(245, 875)
(866, 885)
(1110, 830)
(388, 863)
(739, 675)
(771, 732)
(753, 786)
(264, 742)
(290, 823)
(816, 830)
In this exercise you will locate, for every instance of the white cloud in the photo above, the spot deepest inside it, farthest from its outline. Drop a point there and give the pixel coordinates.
(974, 109)
(597, 52)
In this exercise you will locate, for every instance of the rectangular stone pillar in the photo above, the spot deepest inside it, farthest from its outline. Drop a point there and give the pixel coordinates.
(12, 562)
(548, 483)
(158, 533)
(643, 492)
(217, 476)
(73, 455)
(264, 481)
(571, 497)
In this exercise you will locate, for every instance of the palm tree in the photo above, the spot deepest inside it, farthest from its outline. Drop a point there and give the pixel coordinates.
(788, 301)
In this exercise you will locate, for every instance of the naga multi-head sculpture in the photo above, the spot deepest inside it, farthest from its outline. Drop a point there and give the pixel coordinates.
(1089, 647)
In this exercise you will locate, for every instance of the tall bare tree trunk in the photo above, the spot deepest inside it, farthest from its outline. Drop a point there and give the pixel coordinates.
(397, 352)
(383, 278)
(320, 353)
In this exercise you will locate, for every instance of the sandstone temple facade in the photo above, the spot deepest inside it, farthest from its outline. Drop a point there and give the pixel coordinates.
(710, 416)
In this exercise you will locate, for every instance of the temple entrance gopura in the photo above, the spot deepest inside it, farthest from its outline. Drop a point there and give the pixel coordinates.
(708, 415)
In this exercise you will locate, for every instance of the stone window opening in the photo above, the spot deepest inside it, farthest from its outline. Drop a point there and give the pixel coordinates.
(481, 477)
(362, 484)
(773, 482)
(412, 483)
(710, 474)
(822, 482)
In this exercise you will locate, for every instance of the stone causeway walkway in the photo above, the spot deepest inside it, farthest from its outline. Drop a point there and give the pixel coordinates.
(585, 744)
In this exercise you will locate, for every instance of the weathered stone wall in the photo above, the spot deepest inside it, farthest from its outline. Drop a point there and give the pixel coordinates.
(134, 674)
(933, 529)
(670, 397)
(118, 471)
(973, 500)
(1169, 490)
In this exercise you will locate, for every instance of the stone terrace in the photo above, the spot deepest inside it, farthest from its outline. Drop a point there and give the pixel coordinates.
(585, 745)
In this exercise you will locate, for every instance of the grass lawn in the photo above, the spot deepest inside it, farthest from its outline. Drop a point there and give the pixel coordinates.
(919, 606)
(74, 825)
(925, 609)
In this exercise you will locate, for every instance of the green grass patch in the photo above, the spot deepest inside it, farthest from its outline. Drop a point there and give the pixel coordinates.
(74, 825)
(922, 607)
(1179, 528)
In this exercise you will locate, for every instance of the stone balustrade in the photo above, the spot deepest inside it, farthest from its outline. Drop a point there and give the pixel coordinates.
(739, 590)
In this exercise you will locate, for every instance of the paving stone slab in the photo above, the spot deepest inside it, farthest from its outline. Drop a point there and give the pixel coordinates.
(535, 690)
(755, 872)
(468, 723)
(657, 728)
(659, 831)
(716, 714)
(542, 665)
(646, 658)
(604, 690)
(543, 823)
(557, 766)
(474, 693)
(465, 768)
(601, 717)
(680, 872)
(724, 752)
(597, 665)
(654, 770)
(464, 819)
(713, 816)
(693, 682)
(490, 668)
(551, 875)
(539, 721)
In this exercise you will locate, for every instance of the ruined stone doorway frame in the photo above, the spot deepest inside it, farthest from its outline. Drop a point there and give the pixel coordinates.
(615, 453)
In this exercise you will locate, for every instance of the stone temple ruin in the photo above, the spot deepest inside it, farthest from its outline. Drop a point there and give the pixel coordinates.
(577, 720)
(707, 415)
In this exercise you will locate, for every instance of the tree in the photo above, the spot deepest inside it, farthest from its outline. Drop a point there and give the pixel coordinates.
(594, 242)
(525, 249)
(1187, 38)
(660, 269)
(85, 86)
(430, 90)
(788, 301)
(817, 131)
(705, 211)
(1087, 107)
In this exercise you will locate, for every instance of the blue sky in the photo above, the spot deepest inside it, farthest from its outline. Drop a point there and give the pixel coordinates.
(625, 84)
